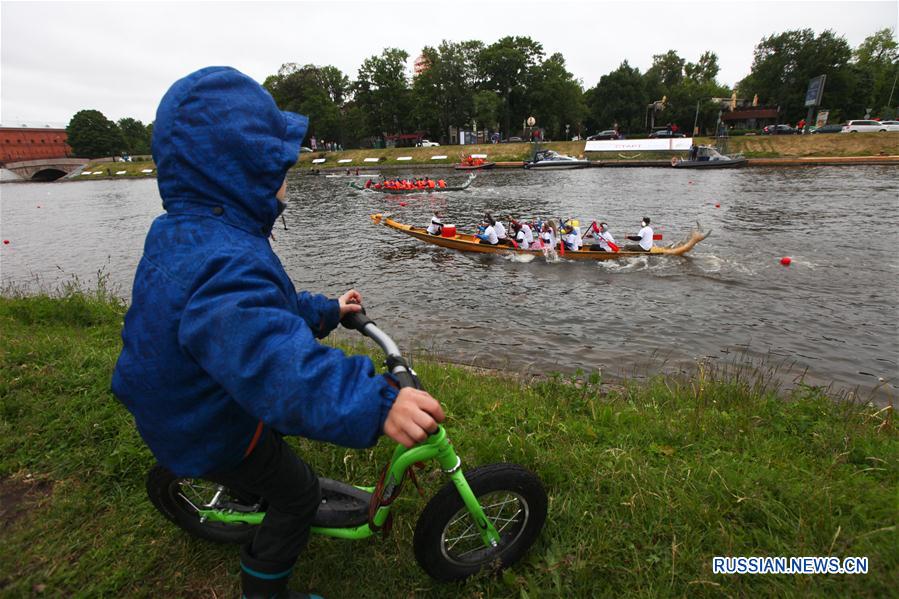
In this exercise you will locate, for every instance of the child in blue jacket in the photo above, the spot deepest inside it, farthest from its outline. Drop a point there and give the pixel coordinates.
(219, 349)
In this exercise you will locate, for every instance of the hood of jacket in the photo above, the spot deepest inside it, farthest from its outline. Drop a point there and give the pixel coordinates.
(222, 147)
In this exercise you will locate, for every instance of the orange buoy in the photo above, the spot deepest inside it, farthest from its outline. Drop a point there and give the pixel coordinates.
(786, 260)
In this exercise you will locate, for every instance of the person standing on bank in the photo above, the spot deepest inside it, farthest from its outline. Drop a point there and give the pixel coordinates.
(643, 236)
(220, 353)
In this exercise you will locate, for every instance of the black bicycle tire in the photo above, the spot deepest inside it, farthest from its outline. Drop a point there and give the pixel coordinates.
(161, 484)
(447, 503)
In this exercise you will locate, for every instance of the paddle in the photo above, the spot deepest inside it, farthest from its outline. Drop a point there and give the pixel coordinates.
(598, 235)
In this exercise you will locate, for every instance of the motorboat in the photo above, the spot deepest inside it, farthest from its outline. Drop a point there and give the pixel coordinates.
(552, 160)
(709, 157)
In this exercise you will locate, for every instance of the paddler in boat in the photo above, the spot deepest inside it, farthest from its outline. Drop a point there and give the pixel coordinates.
(569, 237)
(498, 228)
(436, 226)
(488, 234)
(522, 227)
(601, 237)
(548, 234)
(521, 238)
(643, 236)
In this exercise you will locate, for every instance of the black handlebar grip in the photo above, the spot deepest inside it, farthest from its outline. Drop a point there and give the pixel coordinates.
(356, 320)
(407, 379)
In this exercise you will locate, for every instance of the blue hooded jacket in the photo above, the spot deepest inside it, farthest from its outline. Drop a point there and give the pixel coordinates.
(218, 343)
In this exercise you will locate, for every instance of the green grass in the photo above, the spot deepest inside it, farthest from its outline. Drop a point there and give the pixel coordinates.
(647, 482)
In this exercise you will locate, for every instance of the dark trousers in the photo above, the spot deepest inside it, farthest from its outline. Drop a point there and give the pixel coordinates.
(289, 486)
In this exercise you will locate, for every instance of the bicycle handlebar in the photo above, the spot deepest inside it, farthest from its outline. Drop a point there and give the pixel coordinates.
(396, 363)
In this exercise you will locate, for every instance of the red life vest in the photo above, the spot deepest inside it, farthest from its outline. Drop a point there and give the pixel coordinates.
(431, 184)
(441, 183)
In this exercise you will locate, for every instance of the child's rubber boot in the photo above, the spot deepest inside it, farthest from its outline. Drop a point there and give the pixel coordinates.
(259, 580)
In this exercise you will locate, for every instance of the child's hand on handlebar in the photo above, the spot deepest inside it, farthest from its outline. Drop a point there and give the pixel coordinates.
(414, 415)
(350, 302)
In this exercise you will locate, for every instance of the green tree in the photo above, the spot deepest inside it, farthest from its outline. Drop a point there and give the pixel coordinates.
(135, 135)
(487, 108)
(445, 88)
(703, 70)
(877, 64)
(784, 63)
(556, 97)
(317, 92)
(382, 91)
(92, 135)
(505, 68)
(619, 97)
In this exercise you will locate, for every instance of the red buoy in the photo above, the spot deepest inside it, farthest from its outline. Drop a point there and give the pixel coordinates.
(717, 205)
(402, 203)
(786, 260)
(6, 242)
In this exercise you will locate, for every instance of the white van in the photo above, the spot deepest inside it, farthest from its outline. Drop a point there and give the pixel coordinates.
(863, 127)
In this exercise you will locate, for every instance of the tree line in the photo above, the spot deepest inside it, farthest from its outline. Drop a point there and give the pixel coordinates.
(470, 85)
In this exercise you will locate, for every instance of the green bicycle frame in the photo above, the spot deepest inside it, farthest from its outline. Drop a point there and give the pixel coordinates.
(437, 446)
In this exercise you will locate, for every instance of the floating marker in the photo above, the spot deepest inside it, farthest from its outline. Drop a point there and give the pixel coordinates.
(786, 260)
(717, 205)
(402, 203)
(6, 242)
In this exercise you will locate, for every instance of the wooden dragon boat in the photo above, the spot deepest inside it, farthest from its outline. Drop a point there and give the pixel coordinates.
(470, 243)
(465, 185)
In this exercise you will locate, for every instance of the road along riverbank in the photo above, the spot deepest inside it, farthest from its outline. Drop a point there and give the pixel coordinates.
(785, 150)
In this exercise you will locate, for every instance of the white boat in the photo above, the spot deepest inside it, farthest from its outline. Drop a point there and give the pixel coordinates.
(709, 157)
(552, 160)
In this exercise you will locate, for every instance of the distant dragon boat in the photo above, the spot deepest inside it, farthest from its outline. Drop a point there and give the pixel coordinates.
(471, 243)
(465, 185)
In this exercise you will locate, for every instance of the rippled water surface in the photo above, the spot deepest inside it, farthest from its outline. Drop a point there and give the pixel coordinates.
(832, 314)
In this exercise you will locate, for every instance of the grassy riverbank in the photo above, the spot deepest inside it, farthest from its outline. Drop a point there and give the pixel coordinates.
(761, 146)
(647, 482)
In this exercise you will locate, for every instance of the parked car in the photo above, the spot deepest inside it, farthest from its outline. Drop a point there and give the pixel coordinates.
(305, 149)
(607, 134)
(427, 144)
(863, 126)
(829, 129)
(891, 125)
(666, 133)
(513, 140)
(780, 130)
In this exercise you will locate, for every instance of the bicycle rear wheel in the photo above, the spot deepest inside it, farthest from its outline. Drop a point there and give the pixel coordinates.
(179, 500)
(448, 545)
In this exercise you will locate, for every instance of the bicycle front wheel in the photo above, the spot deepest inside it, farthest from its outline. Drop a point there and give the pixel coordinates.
(447, 542)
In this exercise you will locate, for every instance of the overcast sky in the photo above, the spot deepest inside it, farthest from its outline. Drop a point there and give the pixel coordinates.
(119, 57)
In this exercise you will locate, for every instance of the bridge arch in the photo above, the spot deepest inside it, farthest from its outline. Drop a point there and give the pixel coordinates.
(47, 169)
(48, 174)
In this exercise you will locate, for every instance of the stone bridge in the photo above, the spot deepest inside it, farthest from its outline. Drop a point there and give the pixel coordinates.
(45, 169)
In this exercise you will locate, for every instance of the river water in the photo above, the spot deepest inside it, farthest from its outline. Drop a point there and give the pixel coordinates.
(830, 317)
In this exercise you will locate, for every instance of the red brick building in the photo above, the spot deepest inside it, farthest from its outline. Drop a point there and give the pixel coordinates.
(32, 143)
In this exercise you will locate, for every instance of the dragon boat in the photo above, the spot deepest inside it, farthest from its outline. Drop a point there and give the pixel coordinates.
(471, 243)
(465, 185)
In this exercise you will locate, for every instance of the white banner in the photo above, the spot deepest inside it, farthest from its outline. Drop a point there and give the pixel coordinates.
(673, 144)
